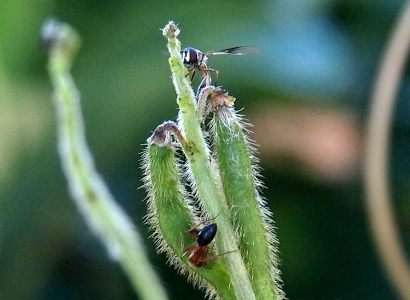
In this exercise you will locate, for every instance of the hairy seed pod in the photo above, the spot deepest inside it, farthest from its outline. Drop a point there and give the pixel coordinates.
(171, 214)
(240, 182)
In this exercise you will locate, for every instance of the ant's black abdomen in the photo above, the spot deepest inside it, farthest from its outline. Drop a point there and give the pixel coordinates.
(207, 234)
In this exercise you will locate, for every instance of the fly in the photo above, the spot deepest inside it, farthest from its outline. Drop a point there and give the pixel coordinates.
(196, 59)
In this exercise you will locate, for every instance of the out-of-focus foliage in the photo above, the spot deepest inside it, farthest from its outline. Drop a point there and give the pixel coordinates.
(306, 90)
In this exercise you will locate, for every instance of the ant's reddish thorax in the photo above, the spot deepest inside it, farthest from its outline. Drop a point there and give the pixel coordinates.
(199, 256)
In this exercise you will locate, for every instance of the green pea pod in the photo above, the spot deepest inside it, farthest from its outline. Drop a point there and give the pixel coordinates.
(240, 183)
(171, 215)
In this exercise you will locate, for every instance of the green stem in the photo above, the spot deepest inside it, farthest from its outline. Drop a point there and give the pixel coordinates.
(204, 171)
(101, 212)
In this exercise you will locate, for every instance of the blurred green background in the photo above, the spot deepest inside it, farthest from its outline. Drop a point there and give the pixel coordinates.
(306, 92)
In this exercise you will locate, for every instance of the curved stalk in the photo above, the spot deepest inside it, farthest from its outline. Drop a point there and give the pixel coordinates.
(380, 210)
(91, 195)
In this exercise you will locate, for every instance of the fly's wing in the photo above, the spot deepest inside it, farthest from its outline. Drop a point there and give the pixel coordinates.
(240, 50)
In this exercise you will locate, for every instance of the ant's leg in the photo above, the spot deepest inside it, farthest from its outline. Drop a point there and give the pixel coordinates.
(189, 249)
(185, 251)
(209, 258)
(213, 217)
(194, 233)
(213, 260)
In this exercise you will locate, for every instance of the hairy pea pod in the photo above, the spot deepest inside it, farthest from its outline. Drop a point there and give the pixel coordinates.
(171, 213)
(224, 183)
(239, 177)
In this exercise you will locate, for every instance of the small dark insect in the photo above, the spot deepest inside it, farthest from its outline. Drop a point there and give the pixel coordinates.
(196, 60)
(199, 254)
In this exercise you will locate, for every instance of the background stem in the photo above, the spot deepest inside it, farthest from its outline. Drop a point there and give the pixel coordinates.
(103, 215)
(381, 215)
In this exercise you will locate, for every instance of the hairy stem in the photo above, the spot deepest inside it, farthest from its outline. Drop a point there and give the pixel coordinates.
(206, 176)
(104, 216)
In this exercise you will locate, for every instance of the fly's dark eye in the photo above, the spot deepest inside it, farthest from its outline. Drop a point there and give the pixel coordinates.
(193, 56)
(189, 56)
(206, 235)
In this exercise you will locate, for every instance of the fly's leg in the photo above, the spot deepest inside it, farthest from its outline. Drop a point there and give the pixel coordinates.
(216, 72)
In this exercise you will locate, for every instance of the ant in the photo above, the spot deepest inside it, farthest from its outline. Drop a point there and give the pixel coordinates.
(199, 254)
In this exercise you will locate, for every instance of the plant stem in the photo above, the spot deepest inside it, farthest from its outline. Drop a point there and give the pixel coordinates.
(104, 216)
(204, 172)
(380, 211)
